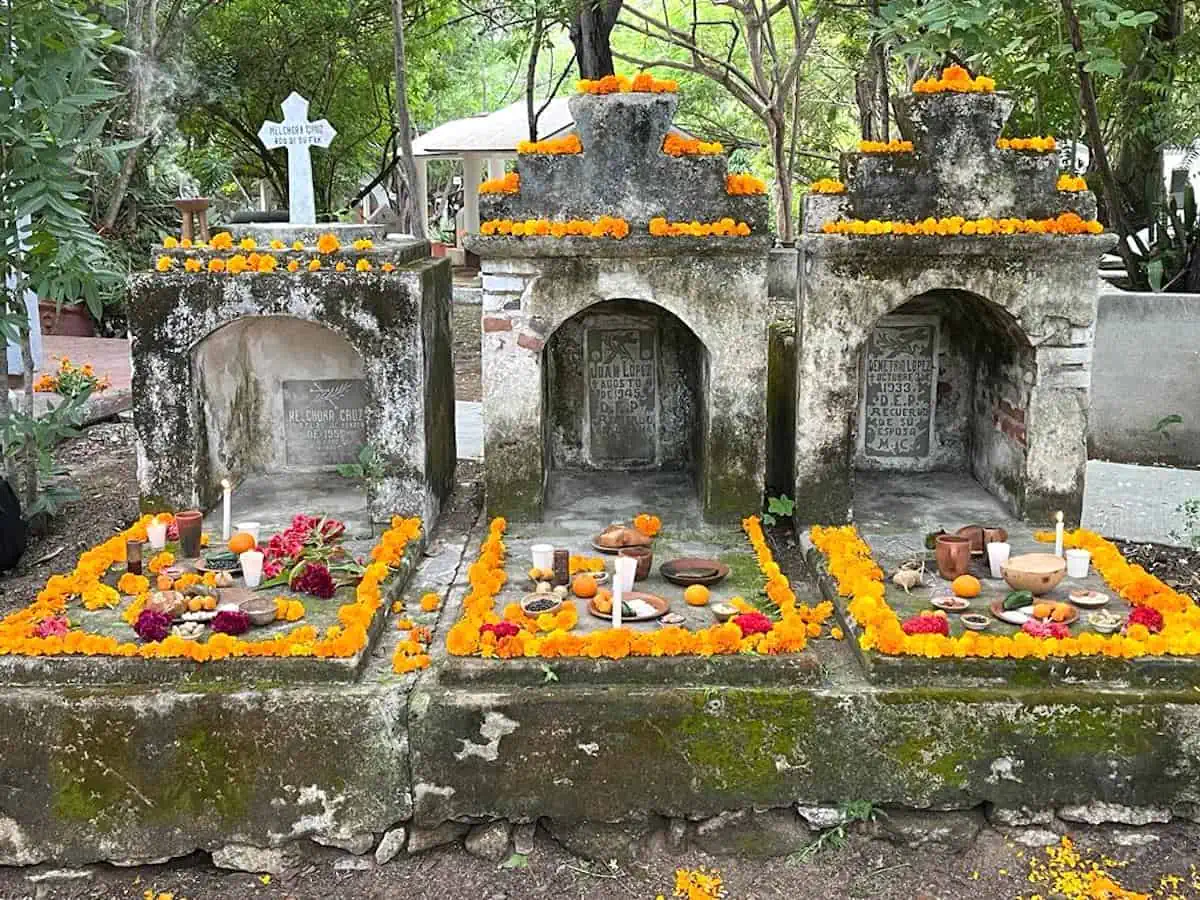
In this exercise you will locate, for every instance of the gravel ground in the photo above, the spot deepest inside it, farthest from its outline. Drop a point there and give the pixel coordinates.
(865, 868)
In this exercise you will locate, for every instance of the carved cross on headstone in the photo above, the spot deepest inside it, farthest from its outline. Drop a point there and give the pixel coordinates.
(297, 134)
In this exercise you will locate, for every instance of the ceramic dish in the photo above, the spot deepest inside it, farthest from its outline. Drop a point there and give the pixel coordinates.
(1025, 614)
(1089, 599)
(1104, 622)
(692, 570)
(975, 622)
(723, 611)
(554, 600)
(951, 604)
(660, 607)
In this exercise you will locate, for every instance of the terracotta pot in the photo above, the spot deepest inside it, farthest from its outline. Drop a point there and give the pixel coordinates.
(996, 535)
(437, 249)
(974, 534)
(645, 559)
(189, 523)
(953, 555)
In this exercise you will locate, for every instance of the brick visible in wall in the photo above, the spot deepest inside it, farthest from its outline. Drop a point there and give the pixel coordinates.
(529, 342)
(1011, 421)
(496, 323)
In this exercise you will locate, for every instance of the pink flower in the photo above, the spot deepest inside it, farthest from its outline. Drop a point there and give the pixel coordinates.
(152, 625)
(926, 625)
(500, 629)
(231, 621)
(1145, 615)
(1046, 629)
(753, 623)
(52, 626)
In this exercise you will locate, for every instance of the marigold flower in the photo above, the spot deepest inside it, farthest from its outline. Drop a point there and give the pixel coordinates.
(388, 267)
(237, 264)
(675, 144)
(314, 265)
(293, 265)
(164, 263)
(363, 265)
(170, 243)
(248, 243)
(267, 263)
(740, 184)
(364, 244)
(508, 184)
(567, 145)
(298, 246)
(192, 265)
(892, 146)
(328, 243)
(277, 244)
(430, 602)
(1071, 183)
(340, 267)
(221, 241)
(827, 186)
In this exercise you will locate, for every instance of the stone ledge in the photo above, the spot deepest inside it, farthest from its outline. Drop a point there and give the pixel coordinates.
(801, 668)
(634, 246)
(1077, 246)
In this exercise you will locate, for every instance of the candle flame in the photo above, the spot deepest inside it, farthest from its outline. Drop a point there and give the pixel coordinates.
(1059, 516)
(225, 484)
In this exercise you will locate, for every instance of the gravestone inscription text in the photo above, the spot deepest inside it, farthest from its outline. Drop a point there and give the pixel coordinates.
(899, 379)
(324, 420)
(622, 395)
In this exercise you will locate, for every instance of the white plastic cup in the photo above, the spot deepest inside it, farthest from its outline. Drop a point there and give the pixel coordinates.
(250, 528)
(998, 553)
(626, 570)
(156, 532)
(543, 556)
(1078, 561)
(252, 567)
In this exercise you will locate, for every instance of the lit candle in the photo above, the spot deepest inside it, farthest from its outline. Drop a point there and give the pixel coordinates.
(1058, 534)
(156, 531)
(227, 518)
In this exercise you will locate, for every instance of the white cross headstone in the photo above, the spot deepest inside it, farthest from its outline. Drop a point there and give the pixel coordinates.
(297, 134)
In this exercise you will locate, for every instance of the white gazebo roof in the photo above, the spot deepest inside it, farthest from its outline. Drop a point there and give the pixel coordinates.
(492, 134)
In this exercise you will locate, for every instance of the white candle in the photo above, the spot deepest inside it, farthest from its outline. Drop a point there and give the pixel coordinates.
(227, 517)
(1058, 534)
(156, 533)
(618, 596)
(252, 567)
(624, 568)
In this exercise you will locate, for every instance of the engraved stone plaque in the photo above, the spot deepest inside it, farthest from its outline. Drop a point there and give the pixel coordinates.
(899, 384)
(622, 395)
(324, 420)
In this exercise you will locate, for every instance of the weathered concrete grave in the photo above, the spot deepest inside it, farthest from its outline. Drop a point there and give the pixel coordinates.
(279, 374)
(949, 349)
(635, 352)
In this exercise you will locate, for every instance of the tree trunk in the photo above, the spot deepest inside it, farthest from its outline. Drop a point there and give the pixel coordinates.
(591, 31)
(408, 166)
(535, 47)
(141, 29)
(777, 130)
(28, 490)
(1091, 118)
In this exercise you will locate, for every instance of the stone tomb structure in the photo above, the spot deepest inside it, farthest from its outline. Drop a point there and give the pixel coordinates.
(946, 352)
(287, 373)
(641, 353)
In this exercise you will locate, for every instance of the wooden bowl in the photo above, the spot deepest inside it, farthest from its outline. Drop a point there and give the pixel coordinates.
(1037, 573)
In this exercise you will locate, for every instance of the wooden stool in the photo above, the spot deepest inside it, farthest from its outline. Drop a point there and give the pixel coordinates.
(192, 208)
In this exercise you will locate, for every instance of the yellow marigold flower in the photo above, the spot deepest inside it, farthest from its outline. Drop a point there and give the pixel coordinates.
(364, 244)
(430, 601)
(827, 186)
(363, 265)
(509, 184)
(298, 246)
(186, 243)
(161, 561)
(340, 267)
(566, 145)
(328, 243)
(216, 264)
(237, 264)
(267, 263)
(133, 584)
(222, 241)
(388, 267)
(248, 243)
(192, 265)
(164, 263)
(277, 244)
(314, 265)
(170, 243)
(293, 265)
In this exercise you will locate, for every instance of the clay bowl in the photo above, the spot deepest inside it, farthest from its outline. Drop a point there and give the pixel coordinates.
(644, 557)
(261, 610)
(692, 570)
(1037, 573)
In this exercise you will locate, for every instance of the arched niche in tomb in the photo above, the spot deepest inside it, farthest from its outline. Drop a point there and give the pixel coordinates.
(944, 380)
(278, 394)
(623, 382)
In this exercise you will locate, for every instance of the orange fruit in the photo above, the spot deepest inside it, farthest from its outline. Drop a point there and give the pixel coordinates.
(966, 586)
(195, 604)
(1043, 610)
(696, 595)
(210, 603)
(603, 601)
(241, 542)
(584, 586)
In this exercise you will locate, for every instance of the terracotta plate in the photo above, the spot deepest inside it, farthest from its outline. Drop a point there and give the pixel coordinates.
(661, 606)
(1025, 613)
(692, 570)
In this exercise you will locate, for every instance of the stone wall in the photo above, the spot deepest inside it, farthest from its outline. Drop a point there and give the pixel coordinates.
(1146, 367)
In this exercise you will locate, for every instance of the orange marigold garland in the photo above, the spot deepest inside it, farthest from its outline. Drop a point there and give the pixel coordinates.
(1064, 223)
(675, 144)
(605, 226)
(860, 580)
(955, 79)
(660, 227)
(1071, 183)
(740, 184)
(18, 630)
(567, 145)
(513, 634)
(1045, 144)
(642, 83)
(508, 184)
(892, 146)
(827, 186)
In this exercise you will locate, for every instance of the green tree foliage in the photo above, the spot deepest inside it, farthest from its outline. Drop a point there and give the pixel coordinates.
(53, 91)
